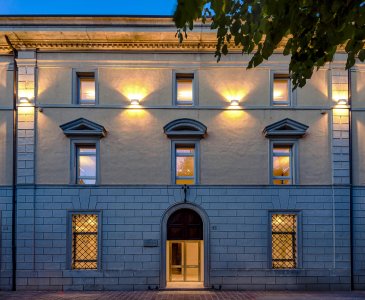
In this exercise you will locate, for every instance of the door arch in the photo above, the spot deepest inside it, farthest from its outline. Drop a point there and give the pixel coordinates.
(185, 223)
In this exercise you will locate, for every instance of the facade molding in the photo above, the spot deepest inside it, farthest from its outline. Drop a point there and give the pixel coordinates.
(185, 128)
(83, 127)
(285, 128)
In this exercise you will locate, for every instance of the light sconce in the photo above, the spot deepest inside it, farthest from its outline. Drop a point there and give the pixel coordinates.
(24, 100)
(342, 101)
(235, 102)
(134, 101)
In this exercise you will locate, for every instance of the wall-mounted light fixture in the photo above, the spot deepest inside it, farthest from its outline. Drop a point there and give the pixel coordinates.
(24, 100)
(235, 102)
(134, 101)
(342, 101)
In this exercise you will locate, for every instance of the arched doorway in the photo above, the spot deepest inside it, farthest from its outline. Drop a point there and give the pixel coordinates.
(184, 258)
(184, 246)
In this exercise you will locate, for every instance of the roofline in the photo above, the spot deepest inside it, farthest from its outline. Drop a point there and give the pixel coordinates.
(84, 16)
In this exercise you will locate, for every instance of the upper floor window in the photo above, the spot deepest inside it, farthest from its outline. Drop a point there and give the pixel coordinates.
(85, 241)
(284, 241)
(186, 134)
(185, 89)
(284, 143)
(85, 142)
(281, 90)
(86, 164)
(282, 164)
(185, 164)
(85, 88)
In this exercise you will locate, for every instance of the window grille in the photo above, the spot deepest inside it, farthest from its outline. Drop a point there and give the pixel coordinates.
(84, 241)
(284, 241)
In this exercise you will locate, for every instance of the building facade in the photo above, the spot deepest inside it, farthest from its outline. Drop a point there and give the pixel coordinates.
(132, 162)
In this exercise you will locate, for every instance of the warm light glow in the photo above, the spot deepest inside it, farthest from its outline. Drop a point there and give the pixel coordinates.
(184, 87)
(340, 86)
(235, 102)
(134, 92)
(26, 110)
(342, 102)
(24, 100)
(25, 97)
(233, 95)
(281, 89)
(87, 89)
(134, 102)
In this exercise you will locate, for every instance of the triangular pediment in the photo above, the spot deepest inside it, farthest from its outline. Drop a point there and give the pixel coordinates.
(185, 128)
(285, 128)
(83, 127)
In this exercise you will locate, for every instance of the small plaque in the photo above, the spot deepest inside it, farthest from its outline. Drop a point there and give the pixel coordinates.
(150, 243)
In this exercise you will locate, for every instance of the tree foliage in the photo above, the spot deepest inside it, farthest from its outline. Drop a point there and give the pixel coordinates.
(310, 31)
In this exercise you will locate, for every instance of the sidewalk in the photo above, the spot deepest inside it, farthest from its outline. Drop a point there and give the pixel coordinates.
(182, 295)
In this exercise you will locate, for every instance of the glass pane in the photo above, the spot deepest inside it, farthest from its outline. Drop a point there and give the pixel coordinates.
(176, 254)
(284, 229)
(87, 166)
(281, 90)
(88, 150)
(192, 254)
(281, 166)
(281, 181)
(87, 90)
(185, 181)
(184, 90)
(184, 166)
(85, 223)
(84, 241)
(177, 268)
(283, 223)
(284, 150)
(185, 150)
(192, 274)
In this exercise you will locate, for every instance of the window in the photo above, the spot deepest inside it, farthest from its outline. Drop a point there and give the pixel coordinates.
(281, 90)
(185, 164)
(86, 164)
(284, 241)
(184, 89)
(282, 164)
(86, 88)
(85, 241)
(185, 149)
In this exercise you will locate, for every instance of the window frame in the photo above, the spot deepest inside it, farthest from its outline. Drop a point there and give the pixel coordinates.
(75, 143)
(293, 159)
(84, 73)
(182, 142)
(299, 245)
(69, 239)
(291, 94)
(175, 75)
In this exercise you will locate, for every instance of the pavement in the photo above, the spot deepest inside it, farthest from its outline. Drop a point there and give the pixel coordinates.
(182, 295)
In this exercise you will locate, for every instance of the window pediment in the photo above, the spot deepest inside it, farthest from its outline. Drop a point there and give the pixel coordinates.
(83, 127)
(185, 128)
(285, 128)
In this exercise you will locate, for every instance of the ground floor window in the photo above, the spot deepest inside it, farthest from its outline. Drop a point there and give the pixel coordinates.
(84, 241)
(284, 241)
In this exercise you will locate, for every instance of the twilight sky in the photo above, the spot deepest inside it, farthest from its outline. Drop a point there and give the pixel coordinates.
(87, 7)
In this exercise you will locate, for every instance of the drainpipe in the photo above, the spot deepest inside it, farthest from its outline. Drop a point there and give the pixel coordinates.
(351, 182)
(14, 206)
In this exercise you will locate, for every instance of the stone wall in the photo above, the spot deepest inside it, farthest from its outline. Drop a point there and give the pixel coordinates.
(239, 236)
(5, 237)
